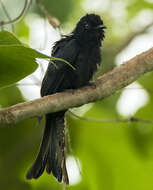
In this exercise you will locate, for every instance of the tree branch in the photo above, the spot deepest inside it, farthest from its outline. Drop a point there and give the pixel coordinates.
(103, 87)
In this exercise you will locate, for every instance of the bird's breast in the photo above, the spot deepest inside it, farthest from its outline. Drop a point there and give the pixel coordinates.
(85, 64)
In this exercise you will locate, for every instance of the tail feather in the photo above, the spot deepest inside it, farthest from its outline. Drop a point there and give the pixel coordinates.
(56, 157)
(39, 165)
(52, 150)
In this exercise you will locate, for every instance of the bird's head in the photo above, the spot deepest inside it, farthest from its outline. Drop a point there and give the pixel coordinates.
(90, 29)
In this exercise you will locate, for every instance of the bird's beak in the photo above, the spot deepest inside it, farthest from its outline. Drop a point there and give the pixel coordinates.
(101, 27)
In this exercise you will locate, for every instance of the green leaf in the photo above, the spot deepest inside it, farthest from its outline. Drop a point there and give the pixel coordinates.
(7, 38)
(16, 60)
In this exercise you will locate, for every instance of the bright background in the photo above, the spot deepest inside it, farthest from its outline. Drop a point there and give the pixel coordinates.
(101, 155)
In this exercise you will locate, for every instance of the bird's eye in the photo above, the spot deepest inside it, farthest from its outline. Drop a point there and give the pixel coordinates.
(86, 26)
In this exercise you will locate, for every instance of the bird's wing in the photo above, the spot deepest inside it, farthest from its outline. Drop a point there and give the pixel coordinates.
(56, 78)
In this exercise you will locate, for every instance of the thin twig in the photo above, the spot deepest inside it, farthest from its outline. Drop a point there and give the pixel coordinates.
(116, 120)
(29, 5)
(52, 20)
(17, 19)
(7, 14)
(130, 37)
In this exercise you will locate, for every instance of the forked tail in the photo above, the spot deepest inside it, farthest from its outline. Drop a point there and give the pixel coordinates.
(52, 150)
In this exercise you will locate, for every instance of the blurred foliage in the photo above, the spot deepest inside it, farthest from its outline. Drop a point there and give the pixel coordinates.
(135, 7)
(113, 156)
(56, 7)
(22, 31)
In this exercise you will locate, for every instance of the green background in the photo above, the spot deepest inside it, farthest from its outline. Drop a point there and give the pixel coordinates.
(112, 156)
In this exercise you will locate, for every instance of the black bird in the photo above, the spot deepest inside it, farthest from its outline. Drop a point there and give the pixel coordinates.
(82, 50)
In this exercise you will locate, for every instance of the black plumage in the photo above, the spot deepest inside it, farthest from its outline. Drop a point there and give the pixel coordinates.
(82, 50)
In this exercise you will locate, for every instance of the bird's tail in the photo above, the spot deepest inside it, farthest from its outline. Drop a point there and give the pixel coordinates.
(52, 150)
